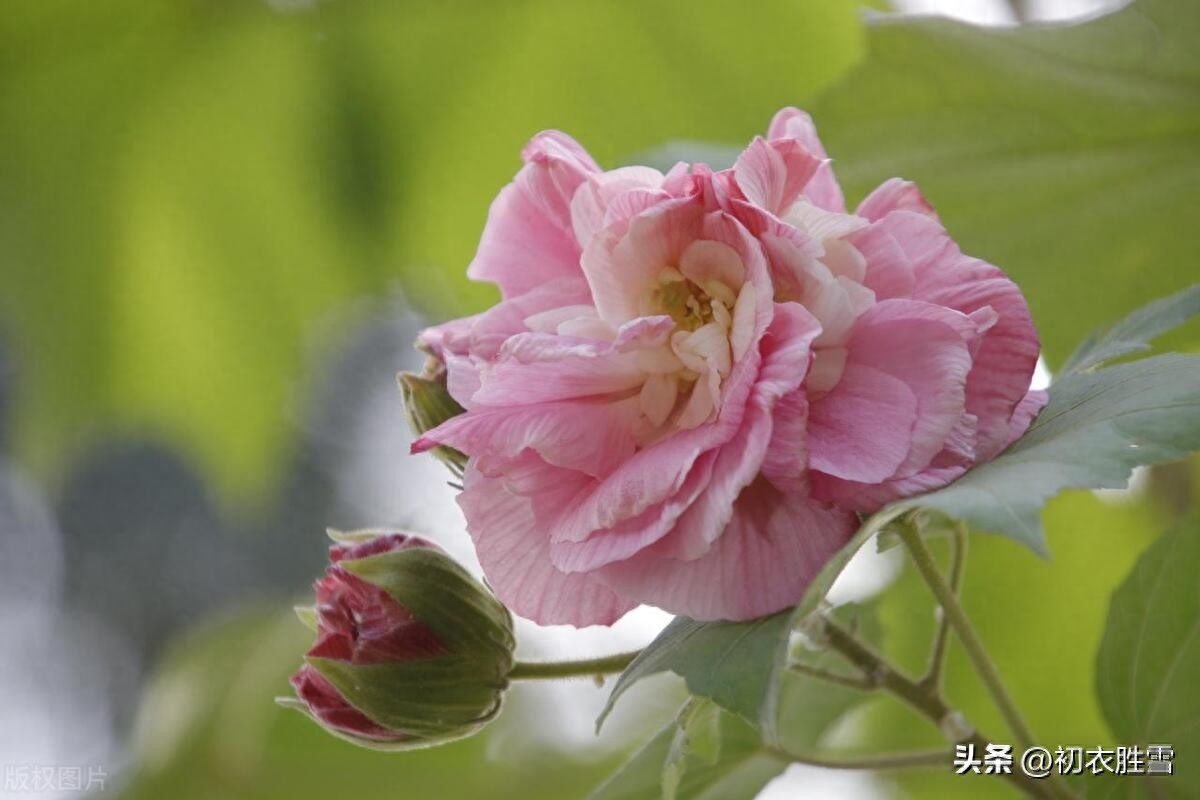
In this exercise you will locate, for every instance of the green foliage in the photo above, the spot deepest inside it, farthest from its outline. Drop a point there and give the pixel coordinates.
(713, 753)
(1096, 428)
(189, 186)
(809, 707)
(1042, 622)
(1066, 154)
(742, 766)
(736, 664)
(697, 738)
(1134, 333)
(1098, 425)
(1150, 656)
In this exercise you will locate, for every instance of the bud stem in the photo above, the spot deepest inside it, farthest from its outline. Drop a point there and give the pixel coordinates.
(587, 668)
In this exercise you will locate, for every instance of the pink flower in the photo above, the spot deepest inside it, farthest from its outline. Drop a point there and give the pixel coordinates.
(360, 623)
(695, 381)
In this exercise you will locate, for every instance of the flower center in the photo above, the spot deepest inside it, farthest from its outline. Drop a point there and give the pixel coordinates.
(691, 305)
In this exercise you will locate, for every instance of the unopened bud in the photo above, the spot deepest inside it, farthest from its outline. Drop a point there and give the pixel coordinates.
(428, 404)
(411, 650)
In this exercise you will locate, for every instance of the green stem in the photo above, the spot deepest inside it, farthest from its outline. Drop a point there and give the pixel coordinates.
(937, 656)
(862, 683)
(953, 613)
(587, 668)
(920, 758)
(925, 699)
(952, 610)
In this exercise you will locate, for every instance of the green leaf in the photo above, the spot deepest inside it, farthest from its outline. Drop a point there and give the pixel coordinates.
(1095, 429)
(697, 738)
(735, 664)
(1066, 154)
(1134, 333)
(1150, 656)
(742, 768)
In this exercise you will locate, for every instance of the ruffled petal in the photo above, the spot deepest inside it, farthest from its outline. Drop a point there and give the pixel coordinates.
(529, 238)
(823, 188)
(771, 175)
(895, 194)
(513, 548)
(764, 560)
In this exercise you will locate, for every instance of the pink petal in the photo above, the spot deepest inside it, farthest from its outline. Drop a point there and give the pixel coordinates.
(823, 189)
(1005, 358)
(889, 271)
(895, 194)
(926, 346)
(787, 351)
(541, 368)
(622, 266)
(789, 251)
(633, 534)
(772, 175)
(869, 497)
(588, 436)
(773, 546)
(491, 329)
(860, 430)
(658, 472)
(1025, 413)
(529, 238)
(592, 200)
(514, 552)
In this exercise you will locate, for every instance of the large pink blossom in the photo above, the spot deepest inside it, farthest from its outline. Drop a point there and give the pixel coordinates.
(696, 381)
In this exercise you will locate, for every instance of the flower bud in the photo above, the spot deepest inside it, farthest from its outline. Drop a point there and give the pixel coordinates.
(411, 650)
(428, 404)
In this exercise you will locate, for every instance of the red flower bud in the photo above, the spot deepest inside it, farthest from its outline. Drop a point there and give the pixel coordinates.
(410, 649)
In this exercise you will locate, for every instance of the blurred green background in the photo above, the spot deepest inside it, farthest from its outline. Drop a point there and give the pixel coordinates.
(222, 222)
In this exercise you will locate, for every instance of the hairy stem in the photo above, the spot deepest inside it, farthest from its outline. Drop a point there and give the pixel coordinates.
(587, 668)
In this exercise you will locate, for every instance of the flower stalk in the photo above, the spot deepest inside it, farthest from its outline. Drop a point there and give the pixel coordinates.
(557, 670)
(953, 613)
(926, 700)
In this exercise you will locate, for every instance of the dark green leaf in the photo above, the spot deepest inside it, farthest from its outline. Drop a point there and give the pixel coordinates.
(1096, 428)
(1134, 333)
(1149, 659)
(733, 663)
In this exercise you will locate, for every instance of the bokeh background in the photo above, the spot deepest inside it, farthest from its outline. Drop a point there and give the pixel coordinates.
(222, 223)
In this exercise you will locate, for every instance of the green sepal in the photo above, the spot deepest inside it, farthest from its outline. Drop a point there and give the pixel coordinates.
(427, 698)
(307, 615)
(428, 404)
(465, 616)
